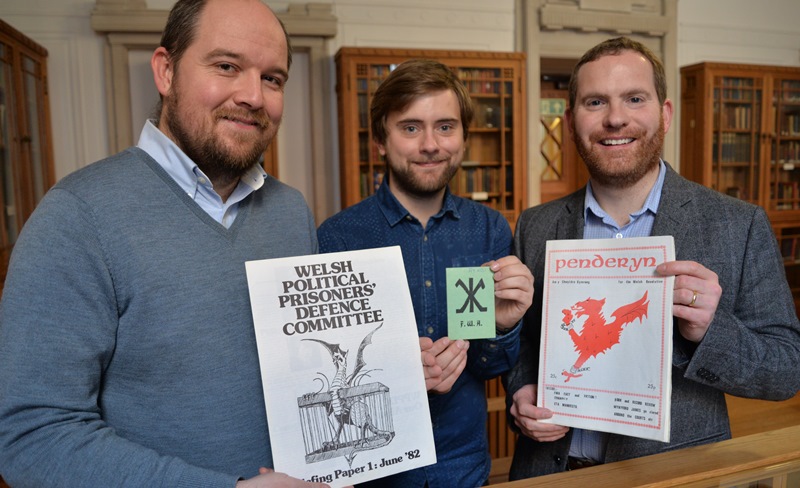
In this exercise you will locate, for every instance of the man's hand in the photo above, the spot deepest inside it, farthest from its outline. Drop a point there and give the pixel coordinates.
(695, 296)
(442, 362)
(527, 415)
(268, 478)
(513, 290)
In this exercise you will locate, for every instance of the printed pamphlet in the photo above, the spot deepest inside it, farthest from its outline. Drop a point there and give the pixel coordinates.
(605, 362)
(340, 364)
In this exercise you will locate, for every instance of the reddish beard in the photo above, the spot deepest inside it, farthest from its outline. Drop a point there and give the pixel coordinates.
(621, 172)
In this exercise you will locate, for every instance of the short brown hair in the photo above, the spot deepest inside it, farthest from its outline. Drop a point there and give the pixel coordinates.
(410, 80)
(613, 47)
(181, 28)
(180, 31)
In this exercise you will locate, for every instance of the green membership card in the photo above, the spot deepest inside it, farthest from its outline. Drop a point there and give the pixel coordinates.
(470, 303)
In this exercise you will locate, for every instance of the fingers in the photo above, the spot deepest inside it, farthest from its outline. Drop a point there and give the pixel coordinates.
(688, 268)
(513, 290)
(431, 371)
(428, 357)
(527, 417)
(452, 359)
(451, 375)
(425, 343)
(510, 273)
(695, 296)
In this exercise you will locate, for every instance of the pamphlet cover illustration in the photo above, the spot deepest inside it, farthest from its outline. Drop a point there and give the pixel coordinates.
(606, 349)
(470, 303)
(340, 365)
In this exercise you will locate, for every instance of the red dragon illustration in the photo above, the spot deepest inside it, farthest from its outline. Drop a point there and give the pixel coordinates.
(596, 336)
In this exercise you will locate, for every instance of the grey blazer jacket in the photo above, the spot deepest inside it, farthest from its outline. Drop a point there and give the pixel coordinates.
(751, 349)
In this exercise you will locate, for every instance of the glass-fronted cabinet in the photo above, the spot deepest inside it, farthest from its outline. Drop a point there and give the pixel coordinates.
(784, 162)
(740, 134)
(493, 170)
(26, 155)
(736, 142)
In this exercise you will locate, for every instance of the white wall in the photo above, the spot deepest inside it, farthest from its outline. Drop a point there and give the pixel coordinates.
(473, 25)
(739, 31)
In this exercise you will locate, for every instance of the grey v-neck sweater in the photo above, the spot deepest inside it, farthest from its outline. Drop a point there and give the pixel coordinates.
(127, 351)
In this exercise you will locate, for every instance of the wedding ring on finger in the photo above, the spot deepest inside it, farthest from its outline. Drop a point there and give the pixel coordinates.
(694, 298)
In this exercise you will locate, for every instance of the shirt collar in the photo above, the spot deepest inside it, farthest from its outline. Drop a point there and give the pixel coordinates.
(650, 204)
(182, 169)
(394, 211)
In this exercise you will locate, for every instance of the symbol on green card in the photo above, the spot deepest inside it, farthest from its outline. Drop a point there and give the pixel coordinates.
(472, 300)
(470, 303)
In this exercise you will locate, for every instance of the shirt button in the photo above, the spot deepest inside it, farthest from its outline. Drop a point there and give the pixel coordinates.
(492, 346)
(430, 330)
(483, 359)
(202, 181)
(619, 235)
(425, 238)
(408, 217)
(428, 283)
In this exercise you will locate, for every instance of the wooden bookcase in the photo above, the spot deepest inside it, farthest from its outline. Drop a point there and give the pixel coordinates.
(494, 167)
(740, 135)
(26, 153)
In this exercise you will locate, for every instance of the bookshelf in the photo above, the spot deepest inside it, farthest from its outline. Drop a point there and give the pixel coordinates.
(740, 134)
(493, 171)
(26, 153)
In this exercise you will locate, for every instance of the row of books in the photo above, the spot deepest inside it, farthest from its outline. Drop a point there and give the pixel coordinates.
(790, 125)
(790, 250)
(790, 91)
(480, 80)
(474, 87)
(737, 94)
(367, 150)
(731, 148)
(729, 82)
(786, 152)
(736, 117)
(785, 194)
(370, 182)
(480, 179)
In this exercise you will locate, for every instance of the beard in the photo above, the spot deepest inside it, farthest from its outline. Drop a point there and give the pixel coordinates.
(415, 184)
(624, 172)
(221, 162)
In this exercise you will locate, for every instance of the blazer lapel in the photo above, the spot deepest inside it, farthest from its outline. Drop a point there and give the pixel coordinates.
(674, 209)
(571, 225)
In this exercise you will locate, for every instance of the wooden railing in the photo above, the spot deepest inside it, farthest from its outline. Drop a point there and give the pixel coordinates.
(764, 459)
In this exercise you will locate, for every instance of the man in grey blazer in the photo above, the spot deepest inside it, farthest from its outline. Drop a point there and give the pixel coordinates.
(735, 330)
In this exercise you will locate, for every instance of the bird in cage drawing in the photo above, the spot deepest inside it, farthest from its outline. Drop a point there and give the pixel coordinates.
(355, 416)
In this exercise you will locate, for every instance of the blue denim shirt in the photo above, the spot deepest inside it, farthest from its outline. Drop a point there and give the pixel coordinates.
(463, 233)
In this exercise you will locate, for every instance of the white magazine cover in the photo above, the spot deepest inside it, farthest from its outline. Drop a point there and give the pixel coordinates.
(340, 365)
(605, 360)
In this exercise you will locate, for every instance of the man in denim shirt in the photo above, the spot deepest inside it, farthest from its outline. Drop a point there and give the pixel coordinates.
(420, 117)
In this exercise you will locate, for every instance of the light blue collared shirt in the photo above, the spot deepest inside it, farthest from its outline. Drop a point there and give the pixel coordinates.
(589, 444)
(193, 181)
